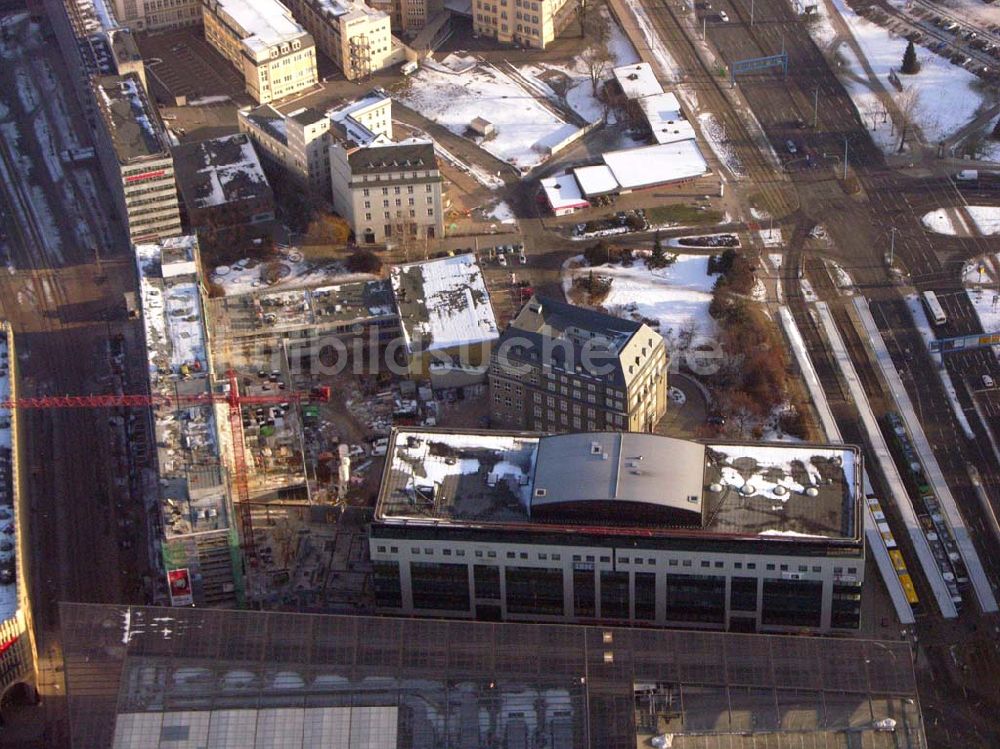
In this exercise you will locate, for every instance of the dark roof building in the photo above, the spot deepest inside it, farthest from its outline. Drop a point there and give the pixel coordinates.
(158, 678)
(603, 371)
(222, 182)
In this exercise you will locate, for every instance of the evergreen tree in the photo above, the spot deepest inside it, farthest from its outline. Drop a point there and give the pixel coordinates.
(910, 64)
(658, 258)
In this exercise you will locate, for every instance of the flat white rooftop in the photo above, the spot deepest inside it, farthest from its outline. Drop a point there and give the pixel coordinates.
(636, 168)
(596, 180)
(562, 192)
(637, 80)
(665, 119)
(443, 303)
(265, 22)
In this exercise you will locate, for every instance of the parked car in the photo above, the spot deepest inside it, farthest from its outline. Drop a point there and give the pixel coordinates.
(380, 446)
(723, 16)
(791, 147)
(502, 259)
(522, 258)
(988, 381)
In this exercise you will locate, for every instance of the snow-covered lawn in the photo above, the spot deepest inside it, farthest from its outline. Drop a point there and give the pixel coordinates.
(576, 86)
(939, 221)
(986, 217)
(525, 129)
(947, 98)
(771, 236)
(501, 212)
(677, 296)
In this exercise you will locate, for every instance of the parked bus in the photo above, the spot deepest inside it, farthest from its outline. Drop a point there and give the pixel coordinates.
(934, 308)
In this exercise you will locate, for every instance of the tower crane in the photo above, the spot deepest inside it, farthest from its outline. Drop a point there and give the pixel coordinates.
(231, 397)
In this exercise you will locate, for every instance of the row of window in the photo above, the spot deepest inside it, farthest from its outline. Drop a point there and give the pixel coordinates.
(536, 591)
(606, 559)
(366, 192)
(413, 214)
(399, 202)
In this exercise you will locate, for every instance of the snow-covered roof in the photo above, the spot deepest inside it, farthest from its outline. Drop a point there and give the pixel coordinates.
(665, 119)
(192, 489)
(790, 490)
(596, 180)
(472, 475)
(637, 80)
(338, 8)
(562, 191)
(218, 171)
(9, 526)
(133, 124)
(443, 303)
(264, 23)
(635, 168)
(347, 117)
(780, 492)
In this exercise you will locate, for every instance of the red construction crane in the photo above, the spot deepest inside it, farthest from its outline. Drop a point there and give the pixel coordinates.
(232, 397)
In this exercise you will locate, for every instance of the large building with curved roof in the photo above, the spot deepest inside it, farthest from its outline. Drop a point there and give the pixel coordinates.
(622, 526)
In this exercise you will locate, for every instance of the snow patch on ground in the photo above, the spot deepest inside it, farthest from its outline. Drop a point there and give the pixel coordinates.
(676, 297)
(501, 212)
(721, 146)
(948, 95)
(668, 66)
(986, 218)
(939, 221)
(525, 129)
(771, 237)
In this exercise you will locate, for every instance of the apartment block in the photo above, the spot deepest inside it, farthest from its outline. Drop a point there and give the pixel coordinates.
(157, 15)
(529, 23)
(135, 156)
(299, 141)
(388, 192)
(620, 527)
(262, 40)
(356, 37)
(558, 367)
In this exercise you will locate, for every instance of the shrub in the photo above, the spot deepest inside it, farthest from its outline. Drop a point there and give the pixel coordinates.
(364, 261)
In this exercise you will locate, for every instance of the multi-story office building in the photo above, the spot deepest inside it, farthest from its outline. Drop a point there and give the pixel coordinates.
(276, 56)
(356, 37)
(388, 191)
(530, 23)
(135, 156)
(157, 15)
(299, 142)
(17, 646)
(559, 367)
(620, 527)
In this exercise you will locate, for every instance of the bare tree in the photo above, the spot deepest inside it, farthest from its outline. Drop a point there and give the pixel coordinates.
(908, 104)
(598, 60)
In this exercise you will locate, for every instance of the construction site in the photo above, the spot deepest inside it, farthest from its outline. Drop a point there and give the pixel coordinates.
(271, 409)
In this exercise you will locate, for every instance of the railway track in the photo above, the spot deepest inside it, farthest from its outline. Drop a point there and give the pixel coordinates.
(711, 97)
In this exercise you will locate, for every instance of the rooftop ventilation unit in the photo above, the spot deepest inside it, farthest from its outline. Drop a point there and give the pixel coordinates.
(595, 448)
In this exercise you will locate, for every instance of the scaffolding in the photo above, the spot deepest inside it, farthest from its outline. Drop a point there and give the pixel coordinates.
(360, 58)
